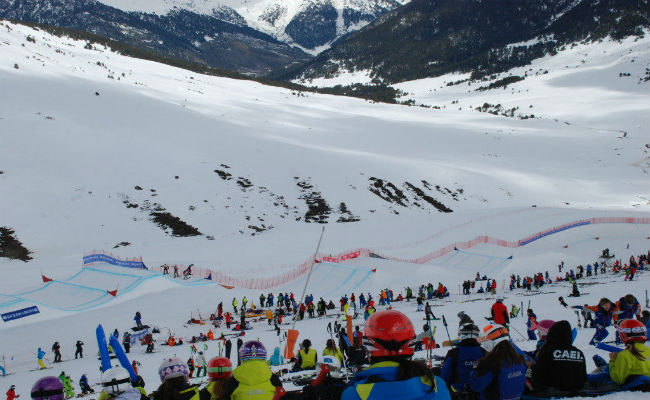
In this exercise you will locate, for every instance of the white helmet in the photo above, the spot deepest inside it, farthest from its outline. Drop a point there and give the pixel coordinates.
(492, 335)
(334, 364)
(116, 380)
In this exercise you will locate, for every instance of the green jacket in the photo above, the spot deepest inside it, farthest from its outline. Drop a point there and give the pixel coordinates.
(625, 364)
(254, 381)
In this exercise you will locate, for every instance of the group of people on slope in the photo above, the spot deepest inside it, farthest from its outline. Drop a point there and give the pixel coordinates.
(483, 365)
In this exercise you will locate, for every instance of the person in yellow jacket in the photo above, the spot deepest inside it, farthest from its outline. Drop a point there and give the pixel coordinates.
(307, 357)
(332, 350)
(253, 378)
(635, 359)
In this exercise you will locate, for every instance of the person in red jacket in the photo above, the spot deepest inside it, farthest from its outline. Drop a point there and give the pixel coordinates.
(500, 313)
(494, 286)
(11, 393)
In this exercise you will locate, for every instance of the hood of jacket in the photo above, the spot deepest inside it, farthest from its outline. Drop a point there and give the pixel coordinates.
(252, 372)
(559, 334)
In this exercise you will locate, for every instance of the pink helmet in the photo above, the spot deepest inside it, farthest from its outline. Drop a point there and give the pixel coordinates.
(543, 326)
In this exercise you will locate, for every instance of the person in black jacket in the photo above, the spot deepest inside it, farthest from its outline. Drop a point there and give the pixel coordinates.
(357, 354)
(560, 365)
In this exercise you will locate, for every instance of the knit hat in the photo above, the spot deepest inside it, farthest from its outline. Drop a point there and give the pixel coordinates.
(172, 368)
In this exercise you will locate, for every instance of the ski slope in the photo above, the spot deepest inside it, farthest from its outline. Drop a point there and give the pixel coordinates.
(85, 134)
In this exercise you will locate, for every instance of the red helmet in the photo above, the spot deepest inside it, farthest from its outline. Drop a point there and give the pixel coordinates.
(632, 330)
(390, 333)
(219, 368)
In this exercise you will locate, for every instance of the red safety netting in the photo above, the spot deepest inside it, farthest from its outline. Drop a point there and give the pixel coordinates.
(296, 272)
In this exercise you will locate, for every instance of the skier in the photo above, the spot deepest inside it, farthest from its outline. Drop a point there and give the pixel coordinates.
(138, 319)
(461, 361)
(174, 381)
(420, 302)
(219, 371)
(11, 393)
(531, 324)
(68, 388)
(307, 357)
(176, 271)
(253, 376)
(135, 364)
(202, 365)
(501, 373)
(126, 342)
(190, 367)
(48, 388)
(56, 348)
(262, 298)
(79, 352)
(329, 384)
(562, 302)
(40, 354)
(500, 313)
(392, 374)
(604, 312)
(234, 305)
(148, 339)
(428, 312)
(559, 365)
(464, 319)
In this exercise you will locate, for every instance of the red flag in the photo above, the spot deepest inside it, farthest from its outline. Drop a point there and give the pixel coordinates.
(374, 270)
(46, 279)
(226, 286)
(317, 261)
(112, 292)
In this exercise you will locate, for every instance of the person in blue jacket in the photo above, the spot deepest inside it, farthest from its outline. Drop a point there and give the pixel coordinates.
(531, 324)
(392, 374)
(460, 361)
(604, 311)
(501, 373)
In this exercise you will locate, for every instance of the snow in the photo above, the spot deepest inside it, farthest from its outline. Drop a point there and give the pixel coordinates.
(69, 158)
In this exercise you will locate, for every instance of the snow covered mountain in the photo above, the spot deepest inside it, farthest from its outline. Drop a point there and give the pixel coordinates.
(102, 151)
(221, 41)
(311, 24)
(427, 38)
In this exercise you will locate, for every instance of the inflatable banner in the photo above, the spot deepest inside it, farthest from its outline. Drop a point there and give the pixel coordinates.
(25, 312)
(105, 258)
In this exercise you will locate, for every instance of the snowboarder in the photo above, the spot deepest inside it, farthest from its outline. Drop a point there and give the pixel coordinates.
(190, 367)
(84, 386)
(604, 312)
(80, 350)
(56, 348)
(562, 302)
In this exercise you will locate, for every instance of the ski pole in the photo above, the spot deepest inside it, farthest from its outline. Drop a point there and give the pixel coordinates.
(514, 329)
(345, 367)
(444, 322)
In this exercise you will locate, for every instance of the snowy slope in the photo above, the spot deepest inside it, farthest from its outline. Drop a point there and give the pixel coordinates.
(81, 128)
